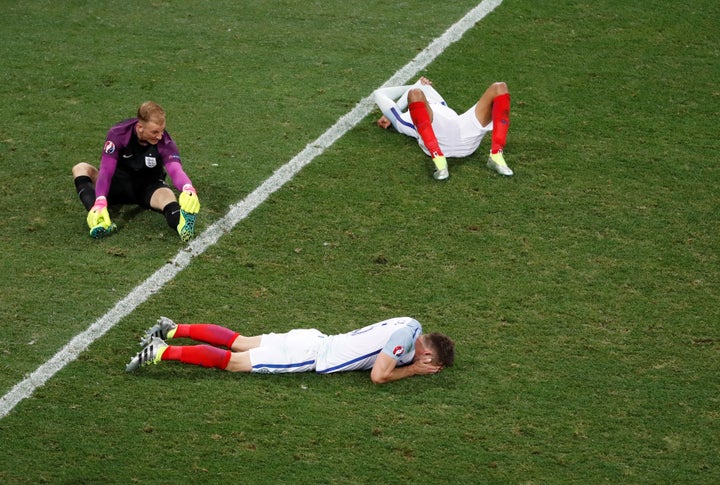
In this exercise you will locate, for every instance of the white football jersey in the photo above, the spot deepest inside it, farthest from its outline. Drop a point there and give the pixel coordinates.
(357, 350)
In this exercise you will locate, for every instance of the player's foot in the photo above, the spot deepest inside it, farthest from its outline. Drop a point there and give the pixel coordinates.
(441, 167)
(186, 228)
(441, 174)
(163, 329)
(102, 230)
(496, 162)
(150, 354)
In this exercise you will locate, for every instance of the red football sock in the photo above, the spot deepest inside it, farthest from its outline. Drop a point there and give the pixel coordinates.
(204, 355)
(501, 121)
(206, 332)
(423, 125)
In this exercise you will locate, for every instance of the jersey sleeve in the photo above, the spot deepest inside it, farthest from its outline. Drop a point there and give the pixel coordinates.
(108, 164)
(168, 150)
(432, 95)
(177, 174)
(401, 343)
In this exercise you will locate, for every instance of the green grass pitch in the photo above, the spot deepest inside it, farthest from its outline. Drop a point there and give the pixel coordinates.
(582, 293)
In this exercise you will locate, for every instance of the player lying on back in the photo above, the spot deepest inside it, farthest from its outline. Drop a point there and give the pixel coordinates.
(392, 349)
(421, 112)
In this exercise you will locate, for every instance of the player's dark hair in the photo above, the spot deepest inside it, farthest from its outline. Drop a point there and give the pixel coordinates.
(150, 111)
(444, 348)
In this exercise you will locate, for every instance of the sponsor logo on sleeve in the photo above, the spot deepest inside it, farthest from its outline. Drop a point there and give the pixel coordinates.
(109, 147)
(398, 350)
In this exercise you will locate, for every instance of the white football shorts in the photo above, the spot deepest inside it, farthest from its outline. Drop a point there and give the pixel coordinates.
(294, 351)
(458, 135)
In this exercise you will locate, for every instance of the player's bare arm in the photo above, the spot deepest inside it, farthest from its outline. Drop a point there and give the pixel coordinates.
(385, 369)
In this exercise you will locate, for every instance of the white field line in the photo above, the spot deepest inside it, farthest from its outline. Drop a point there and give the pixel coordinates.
(235, 214)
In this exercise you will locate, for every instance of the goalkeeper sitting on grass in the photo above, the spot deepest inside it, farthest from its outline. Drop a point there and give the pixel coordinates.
(137, 157)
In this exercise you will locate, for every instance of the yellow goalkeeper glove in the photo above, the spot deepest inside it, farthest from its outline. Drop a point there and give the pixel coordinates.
(189, 201)
(98, 219)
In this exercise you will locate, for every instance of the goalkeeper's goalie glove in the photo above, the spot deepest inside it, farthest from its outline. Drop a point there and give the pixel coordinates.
(98, 219)
(189, 201)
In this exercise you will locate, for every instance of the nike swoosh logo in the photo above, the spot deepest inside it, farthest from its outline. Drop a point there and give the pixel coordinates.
(128, 156)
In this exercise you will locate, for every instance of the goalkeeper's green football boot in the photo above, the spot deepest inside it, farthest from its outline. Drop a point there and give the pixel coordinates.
(150, 354)
(164, 329)
(186, 228)
(101, 230)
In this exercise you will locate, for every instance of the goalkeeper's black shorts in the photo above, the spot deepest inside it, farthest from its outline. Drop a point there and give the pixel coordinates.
(126, 189)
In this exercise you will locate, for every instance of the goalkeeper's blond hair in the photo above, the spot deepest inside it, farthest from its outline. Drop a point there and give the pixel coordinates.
(151, 111)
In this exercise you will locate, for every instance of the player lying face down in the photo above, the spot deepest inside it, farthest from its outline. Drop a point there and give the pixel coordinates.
(391, 349)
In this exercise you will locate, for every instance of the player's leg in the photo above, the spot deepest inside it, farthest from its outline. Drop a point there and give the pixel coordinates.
(162, 199)
(217, 335)
(272, 357)
(207, 333)
(85, 176)
(494, 106)
(239, 362)
(242, 343)
(422, 117)
(484, 106)
(203, 355)
(155, 349)
(278, 353)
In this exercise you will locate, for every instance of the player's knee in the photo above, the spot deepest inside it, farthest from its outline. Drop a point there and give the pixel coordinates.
(415, 94)
(500, 88)
(83, 168)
